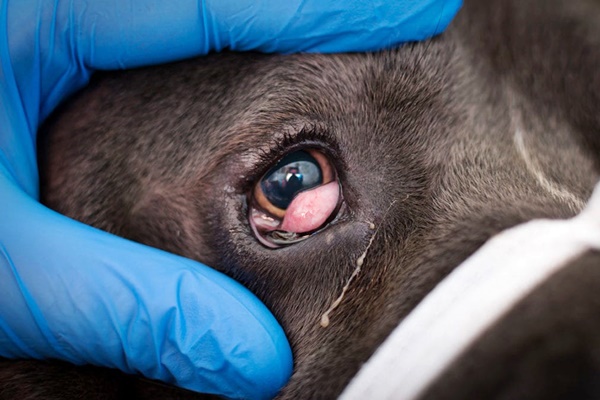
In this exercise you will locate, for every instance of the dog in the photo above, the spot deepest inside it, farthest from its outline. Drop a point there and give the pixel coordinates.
(428, 150)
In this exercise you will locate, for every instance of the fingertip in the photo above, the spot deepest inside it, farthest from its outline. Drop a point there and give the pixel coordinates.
(274, 364)
(228, 343)
(449, 10)
(425, 20)
(263, 362)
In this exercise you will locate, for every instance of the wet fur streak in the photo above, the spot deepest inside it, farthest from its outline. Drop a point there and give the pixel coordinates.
(438, 145)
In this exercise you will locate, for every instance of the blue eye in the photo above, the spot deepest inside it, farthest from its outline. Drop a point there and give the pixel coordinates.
(295, 173)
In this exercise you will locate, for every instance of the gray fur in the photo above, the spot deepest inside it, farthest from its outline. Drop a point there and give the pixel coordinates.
(423, 141)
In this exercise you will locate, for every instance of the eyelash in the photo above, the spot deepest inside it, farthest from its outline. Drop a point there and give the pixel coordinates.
(308, 137)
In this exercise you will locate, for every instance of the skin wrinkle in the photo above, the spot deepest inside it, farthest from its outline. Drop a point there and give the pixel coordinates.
(556, 191)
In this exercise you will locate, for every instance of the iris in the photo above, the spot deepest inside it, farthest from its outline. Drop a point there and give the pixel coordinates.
(293, 174)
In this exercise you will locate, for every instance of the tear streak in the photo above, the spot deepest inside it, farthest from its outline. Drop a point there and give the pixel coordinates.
(359, 263)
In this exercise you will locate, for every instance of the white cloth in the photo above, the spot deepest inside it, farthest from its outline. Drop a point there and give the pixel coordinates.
(474, 296)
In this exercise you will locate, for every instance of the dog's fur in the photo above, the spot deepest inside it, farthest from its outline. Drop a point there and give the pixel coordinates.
(439, 144)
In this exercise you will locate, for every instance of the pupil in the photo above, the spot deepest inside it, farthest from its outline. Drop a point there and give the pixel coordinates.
(295, 173)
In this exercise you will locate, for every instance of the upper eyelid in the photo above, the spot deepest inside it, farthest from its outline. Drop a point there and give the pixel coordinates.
(255, 162)
(254, 156)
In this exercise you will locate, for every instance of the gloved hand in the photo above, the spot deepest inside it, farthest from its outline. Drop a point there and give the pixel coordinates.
(71, 292)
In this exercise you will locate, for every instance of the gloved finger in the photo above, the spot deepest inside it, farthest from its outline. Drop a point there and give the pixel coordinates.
(17, 138)
(67, 38)
(64, 296)
(327, 25)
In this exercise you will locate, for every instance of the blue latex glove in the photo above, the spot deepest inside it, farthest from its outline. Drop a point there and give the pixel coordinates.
(71, 292)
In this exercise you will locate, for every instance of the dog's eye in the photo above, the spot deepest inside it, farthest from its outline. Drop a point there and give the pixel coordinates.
(295, 173)
(294, 199)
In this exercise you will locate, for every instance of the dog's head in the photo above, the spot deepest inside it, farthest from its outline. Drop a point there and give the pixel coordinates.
(430, 147)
